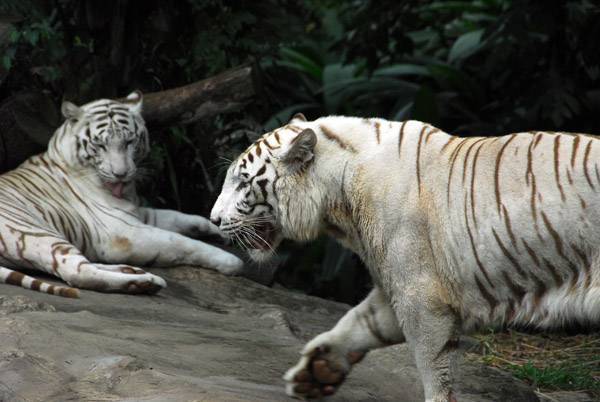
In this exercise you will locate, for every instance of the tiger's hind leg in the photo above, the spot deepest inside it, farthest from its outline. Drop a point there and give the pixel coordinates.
(422, 303)
(54, 255)
(11, 277)
(144, 287)
(119, 278)
(432, 332)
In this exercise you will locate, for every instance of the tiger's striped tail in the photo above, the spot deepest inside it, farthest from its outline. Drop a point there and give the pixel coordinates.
(11, 277)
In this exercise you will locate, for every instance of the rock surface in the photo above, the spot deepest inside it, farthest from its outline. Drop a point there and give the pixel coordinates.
(204, 338)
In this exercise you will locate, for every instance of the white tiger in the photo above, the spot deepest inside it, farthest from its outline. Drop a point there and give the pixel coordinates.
(458, 233)
(72, 212)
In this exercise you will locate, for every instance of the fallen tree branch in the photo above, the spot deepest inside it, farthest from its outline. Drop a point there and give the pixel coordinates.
(220, 94)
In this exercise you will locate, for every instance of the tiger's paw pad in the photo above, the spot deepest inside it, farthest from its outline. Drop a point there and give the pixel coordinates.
(314, 376)
(145, 284)
(143, 288)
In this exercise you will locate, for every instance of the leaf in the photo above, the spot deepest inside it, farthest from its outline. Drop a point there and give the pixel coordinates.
(402, 69)
(457, 6)
(180, 136)
(335, 76)
(465, 46)
(283, 116)
(425, 107)
(33, 37)
(14, 36)
(6, 62)
(363, 90)
(303, 62)
(402, 112)
(449, 77)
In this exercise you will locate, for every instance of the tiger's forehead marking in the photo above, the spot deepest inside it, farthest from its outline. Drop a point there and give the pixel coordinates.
(103, 104)
(112, 119)
(268, 142)
(111, 109)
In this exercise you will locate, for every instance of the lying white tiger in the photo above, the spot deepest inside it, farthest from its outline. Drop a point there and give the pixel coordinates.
(458, 233)
(72, 212)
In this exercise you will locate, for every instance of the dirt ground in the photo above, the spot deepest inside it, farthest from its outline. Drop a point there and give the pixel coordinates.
(561, 366)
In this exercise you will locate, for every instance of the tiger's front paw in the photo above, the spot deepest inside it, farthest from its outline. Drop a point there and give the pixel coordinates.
(141, 282)
(149, 287)
(224, 238)
(211, 232)
(147, 283)
(229, 264)
(117, 278)
(319, 372)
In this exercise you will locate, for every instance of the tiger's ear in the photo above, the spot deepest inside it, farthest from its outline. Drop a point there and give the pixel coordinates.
(134, 101)
(71, 111)
(298, 116)
(301, 151)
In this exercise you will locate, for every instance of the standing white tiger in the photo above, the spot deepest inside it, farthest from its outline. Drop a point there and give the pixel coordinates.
(458, 233)
(72, 211)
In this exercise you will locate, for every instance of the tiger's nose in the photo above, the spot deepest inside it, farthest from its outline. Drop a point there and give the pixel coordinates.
(216, 221)
(119, 175)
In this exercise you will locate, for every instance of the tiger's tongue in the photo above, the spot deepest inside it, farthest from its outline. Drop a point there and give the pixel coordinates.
(115, 188)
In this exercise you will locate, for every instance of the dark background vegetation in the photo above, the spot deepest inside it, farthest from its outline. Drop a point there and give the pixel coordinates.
(484, 67)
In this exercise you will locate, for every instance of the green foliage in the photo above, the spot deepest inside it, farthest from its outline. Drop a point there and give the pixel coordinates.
(86, 49)
(550, 361)
(37, 46)
(477, 67)
(564, 377)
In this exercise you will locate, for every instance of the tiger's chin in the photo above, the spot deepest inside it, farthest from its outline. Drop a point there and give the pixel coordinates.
(260, 256)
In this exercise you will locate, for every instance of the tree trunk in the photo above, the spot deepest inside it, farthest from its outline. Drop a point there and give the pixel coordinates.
(221, 94)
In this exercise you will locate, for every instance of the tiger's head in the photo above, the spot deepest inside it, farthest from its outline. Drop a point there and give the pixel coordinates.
(261, 190)
(108, 136)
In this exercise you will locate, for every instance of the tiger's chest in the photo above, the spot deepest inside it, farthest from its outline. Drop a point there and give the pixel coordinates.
(40, 198)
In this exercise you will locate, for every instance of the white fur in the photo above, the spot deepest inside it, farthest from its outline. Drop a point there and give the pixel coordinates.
(72, 211)
(457, 233)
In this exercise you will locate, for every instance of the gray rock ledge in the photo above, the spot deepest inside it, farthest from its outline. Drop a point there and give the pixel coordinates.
(204, 338)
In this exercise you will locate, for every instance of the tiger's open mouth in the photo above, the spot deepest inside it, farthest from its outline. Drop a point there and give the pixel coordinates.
(115, 188)
(263, 238)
